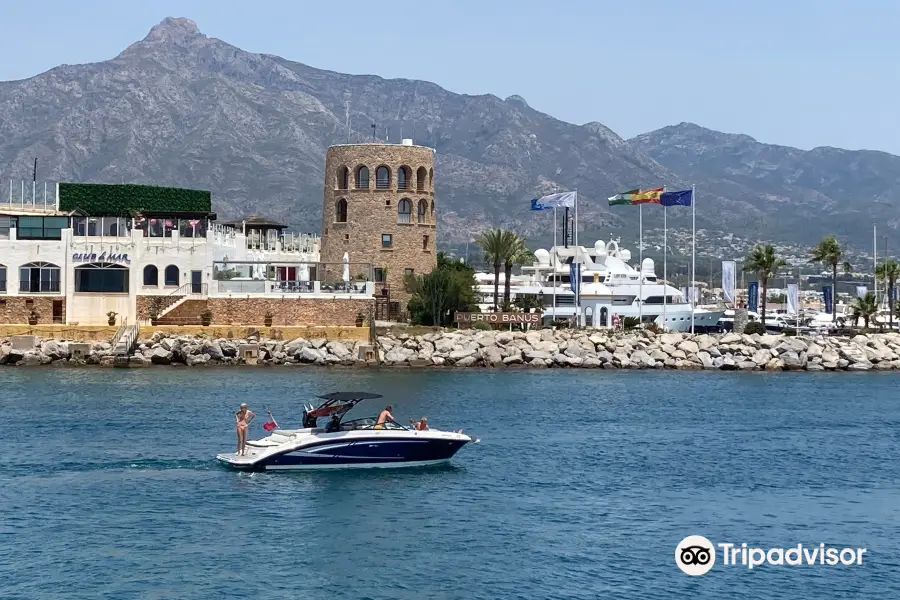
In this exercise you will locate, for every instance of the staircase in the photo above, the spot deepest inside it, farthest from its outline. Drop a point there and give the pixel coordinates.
(184, 312)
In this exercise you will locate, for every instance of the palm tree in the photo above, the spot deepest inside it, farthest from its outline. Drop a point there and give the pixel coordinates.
(829, 252)
(517, 254)
(865, 307)
(494, 243)
(889, 271)
(765, 264)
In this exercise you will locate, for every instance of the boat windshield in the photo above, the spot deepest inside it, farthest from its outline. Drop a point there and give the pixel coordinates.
(369, 423)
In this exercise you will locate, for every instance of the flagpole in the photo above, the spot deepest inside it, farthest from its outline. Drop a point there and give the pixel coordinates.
(693, 251)
(555, 224)
(875, 260)
(641, 267)
(665, 265)
(578, 267)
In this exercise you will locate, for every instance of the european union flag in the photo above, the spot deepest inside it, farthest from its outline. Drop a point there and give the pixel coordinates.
(682, 198)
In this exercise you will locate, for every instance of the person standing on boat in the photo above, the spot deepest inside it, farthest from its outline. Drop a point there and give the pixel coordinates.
(242, 419)
(384, 416)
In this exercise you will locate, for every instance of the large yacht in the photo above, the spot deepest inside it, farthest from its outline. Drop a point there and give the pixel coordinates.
(609, 286)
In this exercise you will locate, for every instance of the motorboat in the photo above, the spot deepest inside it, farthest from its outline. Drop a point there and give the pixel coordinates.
(356, 443)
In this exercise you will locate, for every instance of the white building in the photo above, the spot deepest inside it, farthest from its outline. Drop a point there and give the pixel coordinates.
(65, 265)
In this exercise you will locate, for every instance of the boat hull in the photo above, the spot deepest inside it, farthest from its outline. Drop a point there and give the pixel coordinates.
(380, 452)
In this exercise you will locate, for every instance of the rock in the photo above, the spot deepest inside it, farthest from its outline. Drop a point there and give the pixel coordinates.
(688, 347)
(853, 353)
(462, 353)
(705, 360)
(160, 356)
(338, 349)
(813, 350)
(214, 350)
(55, 350)
(776, 364)
(515, 359)
(531, 355)
(466, 361)
(815, 367)
(670, 339)
(761, 357)
(657, 354)
(310, 355)
(591, 361)
(437, 361)
(792, 361)
(860, 366)
(730, 338)
(728, 364)
(747, 365)
(491, 356)
(197, 359)
(504, 337)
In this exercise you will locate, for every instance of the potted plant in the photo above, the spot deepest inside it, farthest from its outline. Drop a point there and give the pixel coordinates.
(267, 318)
(153, 309)
(360, 319)
(206, 317)
(33, 317)
(111, 317)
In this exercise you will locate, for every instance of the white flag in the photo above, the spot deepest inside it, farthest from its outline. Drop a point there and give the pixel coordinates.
(560, 200)
(728, 280)
(793, 299)
(861, 291)
(695, 295)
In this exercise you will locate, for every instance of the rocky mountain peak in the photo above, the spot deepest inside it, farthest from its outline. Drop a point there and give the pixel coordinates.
(174, 29)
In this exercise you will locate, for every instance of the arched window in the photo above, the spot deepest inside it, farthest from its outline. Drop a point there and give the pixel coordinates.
(404, 211)
(423, 210)
(2, 278)
(403, 177)
(101, 278)
(340, 211)
(114, 229)
(151, 276)
(172, 276)
(421, 176)
(39, 277)
(343, 178)
(603, 316)
(362, 178)
(431, 178)
(382, 178)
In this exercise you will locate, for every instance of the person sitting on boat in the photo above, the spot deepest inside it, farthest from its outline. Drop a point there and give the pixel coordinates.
(413, 424)
(422, 425)
(334, 424)
(242, 418)
(384, 416)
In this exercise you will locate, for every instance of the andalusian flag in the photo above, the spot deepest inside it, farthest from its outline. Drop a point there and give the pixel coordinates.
(637, 197)
(623, 198)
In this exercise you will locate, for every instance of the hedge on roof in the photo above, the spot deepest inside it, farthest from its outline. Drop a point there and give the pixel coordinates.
(113, 200)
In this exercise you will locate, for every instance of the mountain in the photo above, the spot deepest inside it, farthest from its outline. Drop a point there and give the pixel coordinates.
(805, 194)
(183, 109)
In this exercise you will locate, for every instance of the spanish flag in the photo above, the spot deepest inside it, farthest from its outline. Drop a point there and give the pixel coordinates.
(647, 196)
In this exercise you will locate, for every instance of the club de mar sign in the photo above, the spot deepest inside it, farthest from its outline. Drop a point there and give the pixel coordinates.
(497, 317)
(113, 257)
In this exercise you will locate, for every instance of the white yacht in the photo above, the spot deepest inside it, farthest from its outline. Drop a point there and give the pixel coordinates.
(609, 286)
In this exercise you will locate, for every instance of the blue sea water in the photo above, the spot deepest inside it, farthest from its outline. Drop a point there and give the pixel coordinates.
(582, 486)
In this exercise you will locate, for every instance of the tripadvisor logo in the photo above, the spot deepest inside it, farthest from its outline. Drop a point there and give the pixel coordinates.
(696, 555)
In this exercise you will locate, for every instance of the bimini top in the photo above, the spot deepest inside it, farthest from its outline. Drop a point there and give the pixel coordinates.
(340, 402)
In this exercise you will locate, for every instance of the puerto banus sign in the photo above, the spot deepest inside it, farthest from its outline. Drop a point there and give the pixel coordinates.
(102, 257)
(497, 317)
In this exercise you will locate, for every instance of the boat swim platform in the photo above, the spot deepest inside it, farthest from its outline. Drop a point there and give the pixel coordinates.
(287, 333)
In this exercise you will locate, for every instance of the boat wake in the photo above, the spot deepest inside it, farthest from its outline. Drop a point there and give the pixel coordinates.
(120, 465)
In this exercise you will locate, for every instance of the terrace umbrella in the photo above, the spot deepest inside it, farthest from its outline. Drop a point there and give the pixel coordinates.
(346, 268)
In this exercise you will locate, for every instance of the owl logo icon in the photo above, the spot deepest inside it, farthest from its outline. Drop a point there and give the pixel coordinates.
(695, 555)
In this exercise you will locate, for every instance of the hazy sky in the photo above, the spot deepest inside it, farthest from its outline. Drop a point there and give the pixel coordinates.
(797, 72)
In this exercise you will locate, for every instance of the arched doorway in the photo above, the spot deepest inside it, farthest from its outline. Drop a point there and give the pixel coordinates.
(604, 314)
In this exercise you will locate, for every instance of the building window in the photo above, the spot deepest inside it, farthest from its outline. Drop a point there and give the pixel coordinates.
(41, 228)
(362, 178)
(424, 242)
(101, 278)
(387, 240)
(421, 176)
(387, 203)
(408, 272)
(404, 211)
(6, 223)
(403, 177)
(151, 276)
(346, 237)
(382, 178)
(39, 277)
(172, 276)
(340, 211)
(343, 178)
(2, 278)
(423, 210)
(379, 274)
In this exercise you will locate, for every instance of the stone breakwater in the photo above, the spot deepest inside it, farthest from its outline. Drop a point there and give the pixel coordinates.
(477, 348)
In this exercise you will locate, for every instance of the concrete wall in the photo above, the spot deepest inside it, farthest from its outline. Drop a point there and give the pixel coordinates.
(289, 311)
(372, 212)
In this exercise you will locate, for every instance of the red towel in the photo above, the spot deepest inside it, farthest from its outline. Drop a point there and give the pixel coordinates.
(269, 425)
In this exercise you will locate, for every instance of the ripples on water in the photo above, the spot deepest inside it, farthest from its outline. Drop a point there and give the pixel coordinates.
(583, 484)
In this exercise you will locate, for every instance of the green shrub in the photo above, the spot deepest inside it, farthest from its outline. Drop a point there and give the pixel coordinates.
(481, 325)
(653, 327)
(630, 322)
(789, 331)
(754, 327)
(111, 200)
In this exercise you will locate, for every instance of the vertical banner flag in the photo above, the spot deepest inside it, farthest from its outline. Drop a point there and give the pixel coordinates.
(695, 295)
(684, 293)
(753, 296)
(826, 296)
(728, 280)
(575, 278)
(793, 299)
(861, 291)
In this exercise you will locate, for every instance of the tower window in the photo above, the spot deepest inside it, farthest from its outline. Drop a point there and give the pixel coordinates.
(424, 242)
(387, 240)
(404, 211)
(382, 178)
(403, 177)
(362, 178)
(340, 211)
(423, 210)
(343, 178)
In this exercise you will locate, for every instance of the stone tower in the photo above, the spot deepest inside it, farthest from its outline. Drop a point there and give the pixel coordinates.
(379, 208)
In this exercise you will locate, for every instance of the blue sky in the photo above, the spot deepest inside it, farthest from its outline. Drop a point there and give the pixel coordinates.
(796, 72)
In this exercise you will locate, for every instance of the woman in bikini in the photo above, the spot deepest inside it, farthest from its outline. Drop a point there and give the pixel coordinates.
(242, 419)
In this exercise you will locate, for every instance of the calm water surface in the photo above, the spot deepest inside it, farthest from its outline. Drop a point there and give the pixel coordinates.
(582, 486)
